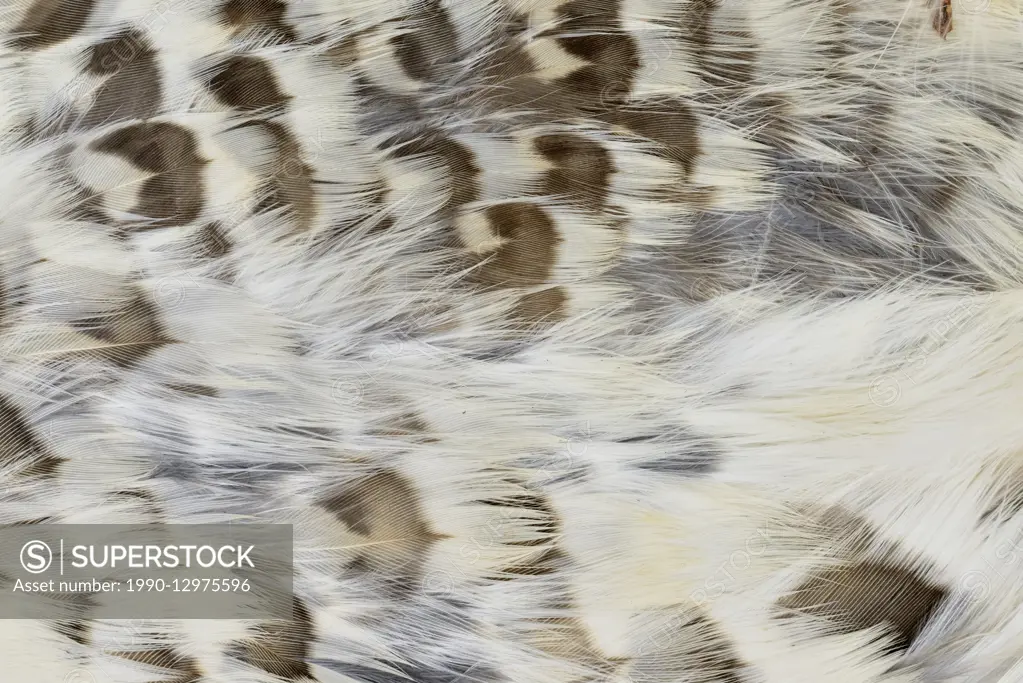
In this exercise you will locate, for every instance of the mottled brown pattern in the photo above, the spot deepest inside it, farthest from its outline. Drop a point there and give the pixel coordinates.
(543, 563)
(942, 21)
(529, 251)
(384, 508)
(541, 309)
(713, 654)
(20, 448)
(212, 241)
(264, 17)
(592, 30)
(586, 29)
(568, 639)
(289, 183)
(76, 630)
(130, 333)
(582, 168)
(282, 648)
(406, 425)
(132, 89)
(671, 124)
(174, 194)
(344, 53)
(430, 42)
(1005, 497)
(589, 28)
(173, 665)
(726, 56)
(868, 593)
(247, 83)
(4, 302)
(458, 159)
(569, 250)
(90, 205)
(49, 22)
(608, 82)
(194, 390)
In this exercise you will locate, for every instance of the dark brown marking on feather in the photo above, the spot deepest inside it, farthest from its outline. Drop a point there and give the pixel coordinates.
(146, 502)
(461, 163)
(247, 83)
(775, 111)
(842, 529)
(698, 29)
(942, 19)
(76, 627)
(535, 99)
(212, 242)
(596, 86)
(405, 425)
(194, 390)
(590, 29)
(941, 197)
(1004, 496)
(717, 654)
(133, 87)
(699, 457)
(460, 160)
(5, 302)
(695, 640)
(510, 65)
(431, 42)
(357, 506)
(673, 125)
(31, 522)
(265, 17)
(77, 630)
(174, 195)
(549, 524)
(836, 47)
(20, 448)
(547, 561)
(529, 252)
(211, 245)
(88, 205)
(385, 509)
(132, 332)
(583, 168)
(344, 53)
(137, 494)
(282, 648)
(865, 594)
(1006, 507)
(184, 668)
(410, 423)
(49, 22)
(538, 310)
(112, 54)
(291, 181)
(734, 59)
(725, 58)
(568, 638)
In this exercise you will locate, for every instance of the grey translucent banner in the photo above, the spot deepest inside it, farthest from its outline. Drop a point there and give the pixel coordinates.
(123, 571)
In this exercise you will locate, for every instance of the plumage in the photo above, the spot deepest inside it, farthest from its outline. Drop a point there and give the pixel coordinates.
(609, 341)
